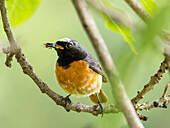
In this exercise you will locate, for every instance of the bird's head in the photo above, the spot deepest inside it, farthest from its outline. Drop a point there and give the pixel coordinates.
(69, 49)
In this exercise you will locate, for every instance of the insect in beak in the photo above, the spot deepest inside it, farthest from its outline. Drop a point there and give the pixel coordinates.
(53, 45)
(49, 45)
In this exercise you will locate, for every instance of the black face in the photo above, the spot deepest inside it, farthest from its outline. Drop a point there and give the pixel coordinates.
(68, 50)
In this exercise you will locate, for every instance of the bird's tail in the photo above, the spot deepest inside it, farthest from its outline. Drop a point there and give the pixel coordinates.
(102, 97)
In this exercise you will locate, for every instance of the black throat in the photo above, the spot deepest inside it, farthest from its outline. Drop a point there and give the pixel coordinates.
(64, 62)
(67, 56)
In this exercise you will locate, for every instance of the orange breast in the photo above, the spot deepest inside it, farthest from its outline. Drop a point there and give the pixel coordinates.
(78, 79)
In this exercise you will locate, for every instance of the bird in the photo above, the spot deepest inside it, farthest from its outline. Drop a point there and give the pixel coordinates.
(78, 72)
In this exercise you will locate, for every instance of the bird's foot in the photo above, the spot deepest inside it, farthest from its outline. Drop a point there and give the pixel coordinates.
(99, 103)
(101, 107)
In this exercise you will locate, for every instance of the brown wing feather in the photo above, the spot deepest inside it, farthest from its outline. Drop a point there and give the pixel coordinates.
(95, 66)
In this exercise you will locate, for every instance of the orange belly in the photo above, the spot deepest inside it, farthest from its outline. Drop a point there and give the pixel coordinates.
(78, 79)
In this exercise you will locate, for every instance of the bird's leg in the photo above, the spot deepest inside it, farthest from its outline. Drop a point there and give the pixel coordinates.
(99, 103)
(67, 99)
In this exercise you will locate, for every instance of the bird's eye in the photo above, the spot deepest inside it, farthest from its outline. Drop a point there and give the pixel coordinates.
(69, 46)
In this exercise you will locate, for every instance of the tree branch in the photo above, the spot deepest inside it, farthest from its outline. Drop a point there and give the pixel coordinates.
(7, 27)
(153, 80)
(14, 48)
(118, 90)
(161, 102)
(59, 100)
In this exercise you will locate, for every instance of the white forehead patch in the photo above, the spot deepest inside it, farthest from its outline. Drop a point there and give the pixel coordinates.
(65, 40)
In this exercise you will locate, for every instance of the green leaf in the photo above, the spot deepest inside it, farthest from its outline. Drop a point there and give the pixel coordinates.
(21, 10)
(122, 30)
(150, 6)
(117, 27)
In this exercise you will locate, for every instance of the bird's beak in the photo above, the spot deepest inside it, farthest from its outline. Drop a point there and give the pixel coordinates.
(53, 45)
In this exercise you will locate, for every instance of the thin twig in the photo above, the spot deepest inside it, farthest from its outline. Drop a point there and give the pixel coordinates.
(9, 56)
(153, 80)
(118, 90)
(161, 102)
(167, 57)
(166, 89)
(142, 117)
(138, 9)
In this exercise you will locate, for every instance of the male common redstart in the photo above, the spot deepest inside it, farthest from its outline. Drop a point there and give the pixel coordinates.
(78, 72)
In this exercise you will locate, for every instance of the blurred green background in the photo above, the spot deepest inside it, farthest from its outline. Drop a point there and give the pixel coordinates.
(23, 105)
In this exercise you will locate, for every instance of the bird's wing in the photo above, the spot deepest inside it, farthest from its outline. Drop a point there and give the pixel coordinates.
(95, 66)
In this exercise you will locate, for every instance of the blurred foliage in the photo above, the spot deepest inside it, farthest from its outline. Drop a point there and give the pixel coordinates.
(154, 28)
(22, 103)
(124, 31)
(150, 6)
(20, 10)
